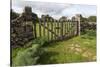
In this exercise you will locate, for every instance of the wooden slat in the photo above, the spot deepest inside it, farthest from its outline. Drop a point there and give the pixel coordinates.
(73, 27)
(48, 27)
(55, 29)
(65, 27)
(58, 28)
(68, 28)
(44, 32)
(61, 30)
(40, 28)
(51, 29)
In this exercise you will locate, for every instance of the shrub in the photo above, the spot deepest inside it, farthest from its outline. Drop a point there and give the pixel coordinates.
(28, 56)
(40, 41)
(90, 34)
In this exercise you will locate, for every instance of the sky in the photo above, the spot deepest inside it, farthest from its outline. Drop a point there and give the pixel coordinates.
(55, 10)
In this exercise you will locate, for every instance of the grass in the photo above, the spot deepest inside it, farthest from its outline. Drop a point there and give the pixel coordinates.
(78, 49)
(16, 50)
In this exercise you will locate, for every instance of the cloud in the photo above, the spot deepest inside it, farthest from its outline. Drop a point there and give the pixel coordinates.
(54, 9)
(44, 7)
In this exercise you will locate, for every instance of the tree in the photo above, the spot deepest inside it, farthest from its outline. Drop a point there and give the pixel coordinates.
(13, 15)
(45, 17)
(92, 18)
(63, 18)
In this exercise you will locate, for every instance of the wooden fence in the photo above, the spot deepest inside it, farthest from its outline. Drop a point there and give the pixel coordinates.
(55, 30)
(26, 28)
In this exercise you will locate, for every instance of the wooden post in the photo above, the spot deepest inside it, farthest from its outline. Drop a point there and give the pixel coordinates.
(78, 24)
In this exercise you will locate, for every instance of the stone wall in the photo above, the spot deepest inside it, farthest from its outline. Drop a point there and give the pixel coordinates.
(22, 28)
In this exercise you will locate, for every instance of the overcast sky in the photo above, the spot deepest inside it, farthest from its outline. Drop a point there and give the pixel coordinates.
(55, 10)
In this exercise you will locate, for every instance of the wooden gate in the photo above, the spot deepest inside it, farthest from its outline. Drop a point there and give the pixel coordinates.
(55, 30)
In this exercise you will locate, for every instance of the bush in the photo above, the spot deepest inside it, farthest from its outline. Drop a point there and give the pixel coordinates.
(28, 56)
(40, 41)
(90, 34)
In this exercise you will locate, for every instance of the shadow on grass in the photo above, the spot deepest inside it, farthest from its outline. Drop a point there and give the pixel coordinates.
(46, 58)
(48, 44)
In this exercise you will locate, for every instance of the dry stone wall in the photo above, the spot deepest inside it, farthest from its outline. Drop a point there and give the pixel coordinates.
(22, 28)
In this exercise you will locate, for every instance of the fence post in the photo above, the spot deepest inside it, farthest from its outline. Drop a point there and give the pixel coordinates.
(78, 24)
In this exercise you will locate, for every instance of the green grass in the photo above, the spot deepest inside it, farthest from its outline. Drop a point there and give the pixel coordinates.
(78, 49)
(16, 50)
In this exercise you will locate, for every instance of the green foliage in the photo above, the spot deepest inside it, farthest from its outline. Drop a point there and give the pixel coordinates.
(40, 41)
(92, 18)
(28, 56)
(89, 33)
(56, 52)
(14, 15)
(61, 52)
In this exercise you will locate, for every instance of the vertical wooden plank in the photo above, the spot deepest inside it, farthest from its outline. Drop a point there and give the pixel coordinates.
(54, 29)
(61, 30)
(51, 29)
(68, 29)
(74, 26)
(39, 27)
(65, 28)
(48, 28)
(58, 27)
(44, 22)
